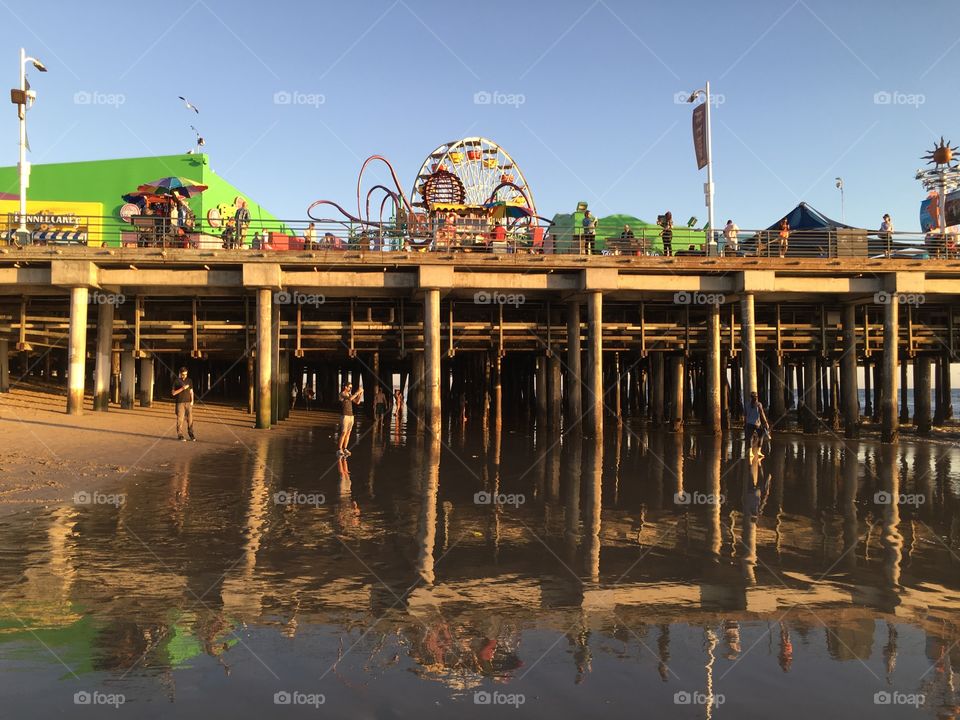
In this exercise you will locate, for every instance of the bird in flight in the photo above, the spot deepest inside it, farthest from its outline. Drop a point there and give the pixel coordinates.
(190, 105)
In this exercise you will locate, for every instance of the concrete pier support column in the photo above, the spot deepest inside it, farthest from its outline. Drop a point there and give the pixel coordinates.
(77, 352)
(618, 389)
(889, 428)
(834, 395)
(867, 390)
(790, 370)
(713, 380)
(496, 364)
(101, 374)
(431, 340)
(556, 394)
(850, 402)
(921, 394)
(415, 392)
(778, 390)
(943, 409)
(115, 375)
(251, 385)
(574, 384)
(283, 386)
(904, 391)
(275, 364)
(264, 357)
(595, 361)
(878, 390)
(678, 379)
(146, 382)
(749, 345)
(947, 385)
(656, 391)
(5, 366)
(541, 390)
(128, 376)
(810, 390)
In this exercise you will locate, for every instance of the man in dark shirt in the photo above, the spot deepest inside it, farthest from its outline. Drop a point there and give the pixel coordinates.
(183, 396)
(241, 221)
(347, 400)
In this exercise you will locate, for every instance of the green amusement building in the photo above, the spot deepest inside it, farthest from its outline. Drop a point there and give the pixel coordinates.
(83, 200)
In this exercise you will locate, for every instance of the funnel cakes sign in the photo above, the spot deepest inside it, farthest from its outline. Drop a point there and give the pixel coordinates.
(53, 222)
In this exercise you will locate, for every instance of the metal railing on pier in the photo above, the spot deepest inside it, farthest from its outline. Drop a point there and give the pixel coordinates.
(341, 236)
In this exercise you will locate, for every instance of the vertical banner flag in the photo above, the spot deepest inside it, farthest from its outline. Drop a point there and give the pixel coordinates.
(700, 135)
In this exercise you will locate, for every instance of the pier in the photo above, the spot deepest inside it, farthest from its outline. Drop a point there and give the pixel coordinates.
(573, 338)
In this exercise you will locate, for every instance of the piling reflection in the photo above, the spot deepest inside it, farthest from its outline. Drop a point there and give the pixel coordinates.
(508, 552)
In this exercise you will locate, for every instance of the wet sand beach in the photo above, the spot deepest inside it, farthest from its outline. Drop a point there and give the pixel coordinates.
(46, 455)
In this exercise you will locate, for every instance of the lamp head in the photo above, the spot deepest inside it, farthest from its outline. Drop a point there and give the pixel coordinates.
(39, 65)
(693, 96)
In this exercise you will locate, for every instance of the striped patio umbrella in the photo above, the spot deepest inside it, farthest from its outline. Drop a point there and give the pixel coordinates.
(169, 185)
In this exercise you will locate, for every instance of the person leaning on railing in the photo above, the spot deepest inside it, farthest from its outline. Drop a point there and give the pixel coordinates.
(886, 234)
(731, 242)
(242, 222)
(784, 237)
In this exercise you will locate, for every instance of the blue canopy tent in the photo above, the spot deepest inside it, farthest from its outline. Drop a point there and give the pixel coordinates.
(812, 234)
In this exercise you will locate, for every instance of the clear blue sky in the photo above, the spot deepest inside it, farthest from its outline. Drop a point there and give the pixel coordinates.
(798, 80)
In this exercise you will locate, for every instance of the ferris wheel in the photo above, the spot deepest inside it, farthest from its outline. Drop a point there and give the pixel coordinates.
(483, 167)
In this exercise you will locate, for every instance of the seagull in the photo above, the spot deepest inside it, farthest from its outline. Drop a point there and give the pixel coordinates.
(190, 105)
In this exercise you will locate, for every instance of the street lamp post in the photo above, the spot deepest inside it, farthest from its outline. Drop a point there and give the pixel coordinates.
(708, 188)
(839, 183)
(23, 100)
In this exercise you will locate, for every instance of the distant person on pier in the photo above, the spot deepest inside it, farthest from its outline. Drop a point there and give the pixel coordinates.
(666, 222)
(731, 241)
(347, 400)
(183, 394)
(589, 232)
(784, 237)
(626, 235)
(309, 396)
(242, 222)
(886, 234)
(755, 425)
(310, 237)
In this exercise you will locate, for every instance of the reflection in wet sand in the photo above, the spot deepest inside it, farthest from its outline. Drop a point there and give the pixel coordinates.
(598, 582)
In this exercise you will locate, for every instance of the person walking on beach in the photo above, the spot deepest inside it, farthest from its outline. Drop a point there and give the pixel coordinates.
(784, 237)
(589, 232)
(730, 238)
(308, 396)
(754, 418)
(347, 399)
(379, 407)
(666, 222)
(183, 394)
(293, 396)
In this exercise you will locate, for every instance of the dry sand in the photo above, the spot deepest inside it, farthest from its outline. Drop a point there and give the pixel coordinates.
(46, 455)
